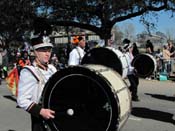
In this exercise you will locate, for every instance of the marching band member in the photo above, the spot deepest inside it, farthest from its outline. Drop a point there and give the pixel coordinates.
(32, 81)
(76, 55)
(131, 74)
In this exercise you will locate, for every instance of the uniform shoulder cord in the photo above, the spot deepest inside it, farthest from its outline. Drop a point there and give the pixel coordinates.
(34, 74)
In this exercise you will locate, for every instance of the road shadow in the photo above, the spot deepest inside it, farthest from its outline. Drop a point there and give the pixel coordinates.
(162, 97)
(153, 114)
(10, 98)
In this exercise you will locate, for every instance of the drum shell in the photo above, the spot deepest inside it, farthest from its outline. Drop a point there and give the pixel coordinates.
(113, 88)
(120, 90)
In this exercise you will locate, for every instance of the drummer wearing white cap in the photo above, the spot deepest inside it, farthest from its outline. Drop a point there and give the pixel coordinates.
(131, 74)
(32, 81)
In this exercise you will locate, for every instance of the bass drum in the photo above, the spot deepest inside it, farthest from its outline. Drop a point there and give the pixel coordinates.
(109, 57)
(145, 64)
(87, 98)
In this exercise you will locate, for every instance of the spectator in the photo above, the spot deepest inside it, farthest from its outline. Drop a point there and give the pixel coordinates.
(171, 48)
(166, 59)
(23, 60)
(135, 49)
(54, 60)
(149, 50)
(159, 60)
(5, 60)
(149, 47)
(172, 56)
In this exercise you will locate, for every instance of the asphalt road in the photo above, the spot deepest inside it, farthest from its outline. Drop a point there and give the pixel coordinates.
(153, 113)
(155, 110)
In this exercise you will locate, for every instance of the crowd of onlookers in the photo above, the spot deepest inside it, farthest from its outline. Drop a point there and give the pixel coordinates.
(164, 56)
(165, 59)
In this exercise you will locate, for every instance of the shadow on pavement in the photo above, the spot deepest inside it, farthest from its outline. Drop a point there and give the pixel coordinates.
(162, 97)
(153, 114)
(10, 98)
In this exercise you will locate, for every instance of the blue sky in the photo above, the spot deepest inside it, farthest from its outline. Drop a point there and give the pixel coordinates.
(165, 22)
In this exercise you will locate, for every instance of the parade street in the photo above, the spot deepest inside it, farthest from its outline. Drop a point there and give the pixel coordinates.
(153, 113)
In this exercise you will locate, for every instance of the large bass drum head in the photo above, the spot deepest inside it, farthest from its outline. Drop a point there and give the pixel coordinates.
(82, 101)
(145, 65)
(103, 56)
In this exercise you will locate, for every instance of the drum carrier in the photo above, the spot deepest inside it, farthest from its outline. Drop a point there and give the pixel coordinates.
(107, 56)
(87, 98)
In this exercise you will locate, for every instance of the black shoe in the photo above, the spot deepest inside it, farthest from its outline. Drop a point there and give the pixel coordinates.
(135, 99)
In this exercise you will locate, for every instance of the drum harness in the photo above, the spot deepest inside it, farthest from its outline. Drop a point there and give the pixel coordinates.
(41, 79)
(80, 57)
(43, 82)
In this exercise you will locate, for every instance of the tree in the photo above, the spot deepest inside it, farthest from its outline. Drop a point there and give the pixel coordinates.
(170, 34)
(128, 31)
(15, 20)
(118, 35)
(99, 16)
(163, 37)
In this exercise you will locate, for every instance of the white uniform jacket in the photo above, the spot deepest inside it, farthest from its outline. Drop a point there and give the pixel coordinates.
(30, 89)
(76, 56)
(129, 58)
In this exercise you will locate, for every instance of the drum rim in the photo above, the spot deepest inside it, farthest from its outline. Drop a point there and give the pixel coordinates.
(113, 117)
(153, 61)
(107, 49)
